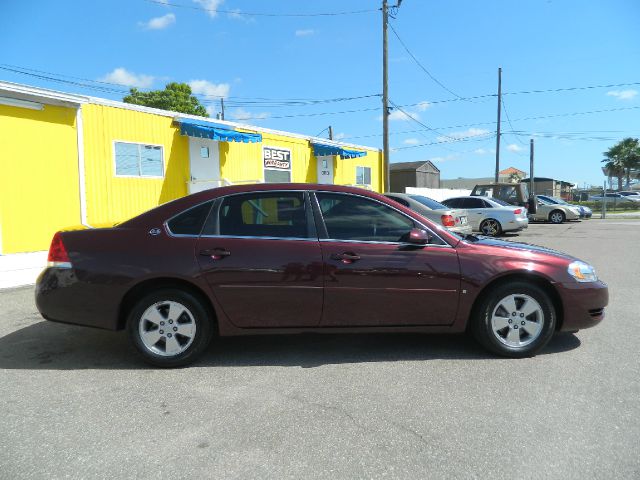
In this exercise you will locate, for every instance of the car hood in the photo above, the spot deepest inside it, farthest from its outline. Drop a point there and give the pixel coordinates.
(494, 242)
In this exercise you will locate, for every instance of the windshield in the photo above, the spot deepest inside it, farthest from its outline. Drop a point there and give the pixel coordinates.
(428, 202)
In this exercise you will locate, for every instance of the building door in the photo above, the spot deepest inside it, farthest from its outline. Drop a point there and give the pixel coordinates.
(204, 162)
(325, 169)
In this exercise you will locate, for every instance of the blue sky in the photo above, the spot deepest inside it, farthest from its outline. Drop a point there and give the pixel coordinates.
(260, 63)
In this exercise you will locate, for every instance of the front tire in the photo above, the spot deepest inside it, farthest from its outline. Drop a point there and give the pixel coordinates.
(491, 227)
(169, 328)
(557, 217)
(516, 319)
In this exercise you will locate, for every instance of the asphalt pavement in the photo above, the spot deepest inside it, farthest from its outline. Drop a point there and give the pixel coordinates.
(77, 402)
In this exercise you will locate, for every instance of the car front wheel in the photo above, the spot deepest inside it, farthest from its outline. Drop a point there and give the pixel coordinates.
(557, 216)
(516, 319)
(169, 328)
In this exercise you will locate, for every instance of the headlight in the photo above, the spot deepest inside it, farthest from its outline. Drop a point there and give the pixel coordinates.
(582, 272)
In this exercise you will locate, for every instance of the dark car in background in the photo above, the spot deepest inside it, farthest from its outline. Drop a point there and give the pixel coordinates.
(295, 258)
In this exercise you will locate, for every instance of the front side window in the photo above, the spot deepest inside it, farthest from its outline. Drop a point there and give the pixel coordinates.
(363, 175)
(349, 217)
(267, 214)
(138, 160)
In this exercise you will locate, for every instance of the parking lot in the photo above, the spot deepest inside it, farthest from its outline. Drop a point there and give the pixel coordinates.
(78, 403)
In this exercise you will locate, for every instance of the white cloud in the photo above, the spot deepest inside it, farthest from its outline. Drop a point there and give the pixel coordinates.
(480, 151)
(448, 158)
(514, 148)
(400, 115)
(422, 106)
(411, 141)
(123, 77)
(204, 87)
(159, 23)
(339, 136)
(623, 94)
(471, 132)
(163, 2)
(242, 114)
(210, 6)
(305, 33)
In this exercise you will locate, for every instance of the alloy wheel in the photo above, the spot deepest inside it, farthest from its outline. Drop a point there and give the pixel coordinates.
(167, 328)
(517, 320)
(557, 217)
(490, 227)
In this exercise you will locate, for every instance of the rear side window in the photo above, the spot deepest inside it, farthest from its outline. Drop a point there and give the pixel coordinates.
(349, 217)
(271, 214)
(453, 203)
(190, 222)
(474, 203)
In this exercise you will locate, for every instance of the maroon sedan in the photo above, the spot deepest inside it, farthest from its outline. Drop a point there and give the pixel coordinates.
(292, 258)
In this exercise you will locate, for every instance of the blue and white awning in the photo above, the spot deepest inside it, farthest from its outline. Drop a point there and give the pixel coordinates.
(321, 149)
(215, 131)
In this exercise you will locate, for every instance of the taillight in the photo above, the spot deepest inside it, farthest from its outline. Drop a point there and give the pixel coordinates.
(447, 220)
(58, 256)
(517, 211)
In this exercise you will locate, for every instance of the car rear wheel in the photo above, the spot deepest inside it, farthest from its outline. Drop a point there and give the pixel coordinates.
(491, 227)
(557, 216)
(169, 328)
(516, 319)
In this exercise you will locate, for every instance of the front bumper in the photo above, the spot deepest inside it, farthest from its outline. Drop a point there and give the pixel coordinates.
(583, 304)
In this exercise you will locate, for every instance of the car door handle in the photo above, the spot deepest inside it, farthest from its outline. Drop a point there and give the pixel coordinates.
(346, 257)
(215, 253)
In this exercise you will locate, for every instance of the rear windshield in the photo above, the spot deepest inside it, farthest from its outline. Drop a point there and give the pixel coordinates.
(501, 202)
(428, 202)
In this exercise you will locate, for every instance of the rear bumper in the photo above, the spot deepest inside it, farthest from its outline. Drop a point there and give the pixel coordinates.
(516, 225)
(583, 304)
(61, 297)
(463, 230)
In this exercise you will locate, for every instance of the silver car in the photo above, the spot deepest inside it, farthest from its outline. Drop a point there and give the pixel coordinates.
(454, 220)
(491, 216)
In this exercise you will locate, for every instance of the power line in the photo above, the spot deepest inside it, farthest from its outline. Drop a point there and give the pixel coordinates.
(470, 138)
(504, 107)
(261, 14)
(109, 88)
(423, 68)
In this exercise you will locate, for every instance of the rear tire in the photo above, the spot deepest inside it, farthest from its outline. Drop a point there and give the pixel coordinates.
(557, 217)
(491, 227)
(169, 328)
(516, 319)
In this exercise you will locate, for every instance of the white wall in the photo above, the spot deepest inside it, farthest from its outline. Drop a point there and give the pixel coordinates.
(438, 194)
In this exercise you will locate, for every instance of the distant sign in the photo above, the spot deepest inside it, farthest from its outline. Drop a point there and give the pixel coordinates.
(276, 158)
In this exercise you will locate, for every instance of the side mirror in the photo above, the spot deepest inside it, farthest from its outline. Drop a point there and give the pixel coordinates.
(417, 236)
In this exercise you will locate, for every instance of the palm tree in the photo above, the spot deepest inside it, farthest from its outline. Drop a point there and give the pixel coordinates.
(622, 158)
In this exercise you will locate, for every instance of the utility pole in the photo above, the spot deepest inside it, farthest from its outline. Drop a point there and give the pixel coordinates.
(498, 127)
(532, 183)
(330, 132)
(385, 97)
(222, 109)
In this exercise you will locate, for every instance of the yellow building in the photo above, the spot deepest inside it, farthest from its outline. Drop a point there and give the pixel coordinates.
(69, 160)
